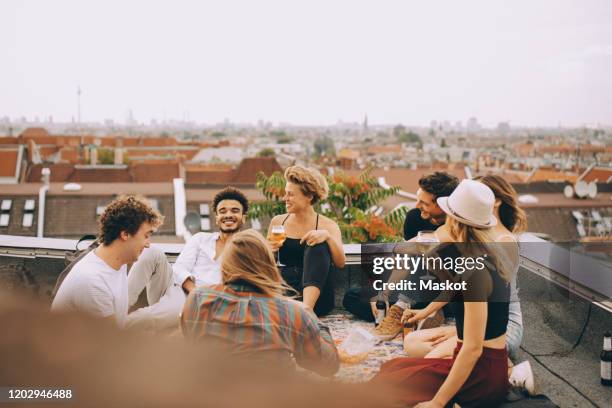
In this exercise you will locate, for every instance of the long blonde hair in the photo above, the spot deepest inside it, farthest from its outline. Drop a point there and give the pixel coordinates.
(248, 257)
(478, 241)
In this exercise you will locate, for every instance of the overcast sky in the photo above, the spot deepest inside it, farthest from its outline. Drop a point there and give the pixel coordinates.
(309, 62)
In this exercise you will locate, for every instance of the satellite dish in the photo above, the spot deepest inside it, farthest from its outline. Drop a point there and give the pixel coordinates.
(582, 189)
(592, 193)
(192, 222)
(568, 191)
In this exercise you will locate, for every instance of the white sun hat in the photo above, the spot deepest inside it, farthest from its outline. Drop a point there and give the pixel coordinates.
(471, 203)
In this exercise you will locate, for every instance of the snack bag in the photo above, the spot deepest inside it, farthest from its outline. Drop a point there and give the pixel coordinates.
(357, 345)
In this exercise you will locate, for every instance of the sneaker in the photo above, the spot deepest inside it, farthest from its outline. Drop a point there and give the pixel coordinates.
(522, 377)
(391, 325)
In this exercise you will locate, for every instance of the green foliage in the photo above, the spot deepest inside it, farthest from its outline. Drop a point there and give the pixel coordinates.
(396, 218)
(267, 152)
(273, 189)
(410, 138)
(106, 156)
(278, 133)
(324, 146)
(218, 134)
(284, 140)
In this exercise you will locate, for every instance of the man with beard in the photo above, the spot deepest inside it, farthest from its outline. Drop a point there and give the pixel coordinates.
(198, 264)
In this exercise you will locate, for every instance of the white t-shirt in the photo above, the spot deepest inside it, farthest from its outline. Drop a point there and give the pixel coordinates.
(93, 287)
(197, 260)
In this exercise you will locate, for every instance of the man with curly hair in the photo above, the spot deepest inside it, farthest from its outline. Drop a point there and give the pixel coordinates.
(198, 264)
(97, 285)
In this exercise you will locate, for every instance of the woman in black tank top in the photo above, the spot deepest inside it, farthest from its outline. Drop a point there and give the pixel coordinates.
(477, 375)
(313, 244)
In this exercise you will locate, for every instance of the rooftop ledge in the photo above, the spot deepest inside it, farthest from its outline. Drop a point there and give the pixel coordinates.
(585, 276)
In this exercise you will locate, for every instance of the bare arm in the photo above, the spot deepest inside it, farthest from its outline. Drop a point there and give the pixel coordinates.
(335, 245)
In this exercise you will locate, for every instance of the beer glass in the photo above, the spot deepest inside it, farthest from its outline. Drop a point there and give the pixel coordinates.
(278, 235)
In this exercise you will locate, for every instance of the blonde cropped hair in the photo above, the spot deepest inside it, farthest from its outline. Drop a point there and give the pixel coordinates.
(248, 257)
(312, 183)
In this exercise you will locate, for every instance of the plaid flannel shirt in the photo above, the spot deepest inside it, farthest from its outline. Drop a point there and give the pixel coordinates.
(238, 314)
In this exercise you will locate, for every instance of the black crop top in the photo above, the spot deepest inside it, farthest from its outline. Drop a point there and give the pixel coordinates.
(497, 302)
(291, 253)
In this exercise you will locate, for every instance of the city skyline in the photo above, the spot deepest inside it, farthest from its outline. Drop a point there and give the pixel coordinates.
(313, 63)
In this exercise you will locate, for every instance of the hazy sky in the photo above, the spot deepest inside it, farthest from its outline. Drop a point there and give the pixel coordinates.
(309, 62)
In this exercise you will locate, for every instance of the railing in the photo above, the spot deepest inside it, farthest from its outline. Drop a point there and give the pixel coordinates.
(579, 273)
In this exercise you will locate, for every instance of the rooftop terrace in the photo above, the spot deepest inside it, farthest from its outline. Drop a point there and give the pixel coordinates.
(565, 297)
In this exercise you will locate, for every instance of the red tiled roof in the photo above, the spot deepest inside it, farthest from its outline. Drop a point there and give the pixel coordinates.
(60, 172)
(46, 151)
(99, 175)
(393, 149)
(135, 172)
(209, 176)
(599, 174)
(34, 132)
(9, 140)
(8, 161)
(512, 177)
(148, 172)
(69, 154)
(208, 167)
(249, 167)
(550, 174)
(246, 173)
(407, 179)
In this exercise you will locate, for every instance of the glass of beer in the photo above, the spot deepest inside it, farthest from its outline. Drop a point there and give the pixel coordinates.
(278, 235)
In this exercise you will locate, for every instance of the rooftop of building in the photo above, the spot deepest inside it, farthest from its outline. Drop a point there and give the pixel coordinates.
(562, 330)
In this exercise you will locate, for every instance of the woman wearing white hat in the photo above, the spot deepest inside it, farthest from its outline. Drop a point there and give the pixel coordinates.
(477, 375)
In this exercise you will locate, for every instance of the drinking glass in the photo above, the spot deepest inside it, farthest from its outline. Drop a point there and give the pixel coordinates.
(278, 235)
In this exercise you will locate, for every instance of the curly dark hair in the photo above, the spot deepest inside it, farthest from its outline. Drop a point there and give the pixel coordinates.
(440, 183)
(231, 193)
(126, 213)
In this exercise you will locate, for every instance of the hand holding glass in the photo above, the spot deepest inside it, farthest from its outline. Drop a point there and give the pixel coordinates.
(278, 236)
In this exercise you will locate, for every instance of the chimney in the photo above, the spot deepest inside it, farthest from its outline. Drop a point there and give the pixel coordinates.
(118, 155)
(93, 154)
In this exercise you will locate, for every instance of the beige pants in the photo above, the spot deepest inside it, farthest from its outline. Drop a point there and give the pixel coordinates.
(166, 299)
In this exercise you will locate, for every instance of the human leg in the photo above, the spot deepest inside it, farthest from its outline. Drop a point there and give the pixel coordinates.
(151, 271)
(357, 301)
(318, 292)
(161, 315)
(443, 349)
(420, 343)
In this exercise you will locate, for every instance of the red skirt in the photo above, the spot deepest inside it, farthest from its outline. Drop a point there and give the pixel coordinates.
(418, 379)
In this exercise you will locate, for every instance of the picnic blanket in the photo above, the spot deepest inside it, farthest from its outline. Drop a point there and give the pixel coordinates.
(340, 326)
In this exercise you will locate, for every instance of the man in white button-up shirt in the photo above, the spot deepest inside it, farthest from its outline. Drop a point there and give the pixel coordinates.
(198, 264)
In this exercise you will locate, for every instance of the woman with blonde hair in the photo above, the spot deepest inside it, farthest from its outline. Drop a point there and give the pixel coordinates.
(313, 243)
(477, 375)
(440, 342)
(249, 311)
